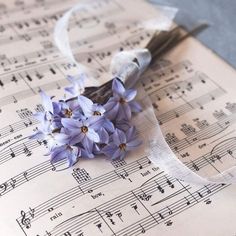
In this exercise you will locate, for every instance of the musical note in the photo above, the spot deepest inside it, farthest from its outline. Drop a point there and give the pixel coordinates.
(144, 196)
(169, 211)
(27, 151)
(12, 153)
(161, 190)
(169, 223)
(171, 185)
(135, 207)
(161, 216)
(142, 229)
(99, 226)
(195, 166)
(25, 174)
(178, 91)
(187, 201)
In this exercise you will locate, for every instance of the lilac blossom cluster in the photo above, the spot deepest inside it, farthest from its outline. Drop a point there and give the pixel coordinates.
(76, 127)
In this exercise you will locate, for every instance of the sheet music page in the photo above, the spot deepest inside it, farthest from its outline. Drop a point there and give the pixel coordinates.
(193, 96)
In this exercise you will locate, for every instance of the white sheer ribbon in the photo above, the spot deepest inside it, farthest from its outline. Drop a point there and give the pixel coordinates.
(130, 64)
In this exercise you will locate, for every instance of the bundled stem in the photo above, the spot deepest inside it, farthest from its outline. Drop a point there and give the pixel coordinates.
(160, 43)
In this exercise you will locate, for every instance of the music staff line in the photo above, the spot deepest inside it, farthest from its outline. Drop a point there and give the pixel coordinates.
(167, 213)
(89, 186)
(48, 31)
(51, 16)
(30, 23)
(203, 134)
(175, 87)
(17, 126)
(71, 194)
(210, 158)
(109, 208)
(140, 226)
(53, 66)
(47, 64)
(29, 74)
(144, 192)
(27, 147)
(28, 175)
(49, 50)
(151, 83)
(5, 11)
(15, 97)
(197, 103)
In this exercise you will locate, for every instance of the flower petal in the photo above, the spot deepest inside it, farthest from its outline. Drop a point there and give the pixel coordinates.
(95, 122)
(70, 123)
(92, 135)
(88, 144)
(56, 107)
(76, 137)
(117, 154)
(122, 155)
(104, 136)
(73, 156)
(96, 150)
(86, 104)
(108, 125)
(99, 108)
(40, 116)
(86, 154)
(123, 125)
(130, 94)
(71, 90)
(58, 153)
(131, 133)
(119, 137)
(61, 138)
(73, 105)
(124, 112)
(109, 150)
(112, 113)
(37, 135)
(117, 87)
(110, 103)
(46, 101)
(135, 106)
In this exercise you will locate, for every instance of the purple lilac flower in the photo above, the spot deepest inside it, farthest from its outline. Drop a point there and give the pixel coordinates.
(83, 131)
(72, 153)
(45, 133)
(77, 85)
(77, 127)
(70, 109)
(121, 143)
(50, 112)
(90, 109)
(121, 105)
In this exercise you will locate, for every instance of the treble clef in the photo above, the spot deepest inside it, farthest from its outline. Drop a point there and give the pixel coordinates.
(25, 221)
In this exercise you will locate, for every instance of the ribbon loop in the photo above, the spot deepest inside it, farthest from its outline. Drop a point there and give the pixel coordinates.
(129, 65)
